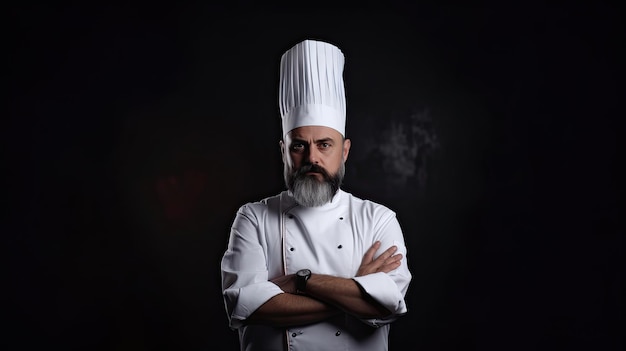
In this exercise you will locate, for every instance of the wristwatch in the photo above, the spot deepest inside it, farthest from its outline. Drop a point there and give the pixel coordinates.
(302, 276)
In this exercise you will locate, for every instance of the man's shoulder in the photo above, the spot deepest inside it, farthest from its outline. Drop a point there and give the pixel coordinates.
(365, 203)
(263, 204)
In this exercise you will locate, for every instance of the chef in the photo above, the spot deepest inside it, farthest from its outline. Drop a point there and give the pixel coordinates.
(314, 267)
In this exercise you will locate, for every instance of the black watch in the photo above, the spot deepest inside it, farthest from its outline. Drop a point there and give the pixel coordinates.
(301, 278)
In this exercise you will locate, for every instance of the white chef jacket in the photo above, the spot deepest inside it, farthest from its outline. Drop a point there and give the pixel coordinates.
(276, 236)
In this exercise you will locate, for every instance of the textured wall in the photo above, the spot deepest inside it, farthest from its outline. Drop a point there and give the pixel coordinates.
(136, 131)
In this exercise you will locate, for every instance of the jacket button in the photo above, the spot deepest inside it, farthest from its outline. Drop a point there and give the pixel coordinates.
(338, 333)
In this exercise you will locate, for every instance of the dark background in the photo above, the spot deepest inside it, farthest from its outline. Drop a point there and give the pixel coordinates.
(136, 130)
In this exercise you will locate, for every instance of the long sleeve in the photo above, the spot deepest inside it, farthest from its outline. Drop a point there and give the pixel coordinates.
(389, 289)
(245, 277)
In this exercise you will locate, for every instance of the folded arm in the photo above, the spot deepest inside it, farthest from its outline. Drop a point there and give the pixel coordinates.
(292, 309)
(327, 295)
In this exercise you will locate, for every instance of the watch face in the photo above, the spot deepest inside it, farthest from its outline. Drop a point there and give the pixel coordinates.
(303, 272)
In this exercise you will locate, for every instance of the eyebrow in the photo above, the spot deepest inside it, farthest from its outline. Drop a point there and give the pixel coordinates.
(323, 140)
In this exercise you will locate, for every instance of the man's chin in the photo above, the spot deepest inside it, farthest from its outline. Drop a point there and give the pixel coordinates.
(318, 176)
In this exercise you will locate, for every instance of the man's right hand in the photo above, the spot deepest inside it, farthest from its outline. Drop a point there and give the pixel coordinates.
(386, 262)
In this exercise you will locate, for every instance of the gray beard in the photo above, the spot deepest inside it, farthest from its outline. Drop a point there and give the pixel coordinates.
(308, 191)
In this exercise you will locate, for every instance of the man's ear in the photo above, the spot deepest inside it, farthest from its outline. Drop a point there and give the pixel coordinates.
(282, 148)
(346, 149)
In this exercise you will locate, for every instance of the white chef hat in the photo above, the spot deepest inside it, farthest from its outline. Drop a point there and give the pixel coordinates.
(311, 89)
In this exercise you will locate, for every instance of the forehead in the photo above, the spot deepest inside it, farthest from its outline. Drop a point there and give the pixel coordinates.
(314, 133)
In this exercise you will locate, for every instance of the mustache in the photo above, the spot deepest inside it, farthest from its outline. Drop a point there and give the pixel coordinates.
(312, 168)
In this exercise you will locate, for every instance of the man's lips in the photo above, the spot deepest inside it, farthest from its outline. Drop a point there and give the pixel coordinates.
(317, 175)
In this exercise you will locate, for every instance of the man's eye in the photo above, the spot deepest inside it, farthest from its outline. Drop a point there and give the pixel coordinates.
(324, 145)
(297, 147)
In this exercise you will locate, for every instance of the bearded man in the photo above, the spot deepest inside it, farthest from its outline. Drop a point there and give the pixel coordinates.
(314, 267)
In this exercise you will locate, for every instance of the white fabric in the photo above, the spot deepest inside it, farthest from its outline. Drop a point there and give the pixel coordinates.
(330, 239)
(311, 88)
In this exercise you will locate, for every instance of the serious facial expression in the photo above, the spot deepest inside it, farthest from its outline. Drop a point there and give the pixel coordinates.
(315, 145)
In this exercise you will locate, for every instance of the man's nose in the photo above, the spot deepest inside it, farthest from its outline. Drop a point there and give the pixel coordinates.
(313, 155)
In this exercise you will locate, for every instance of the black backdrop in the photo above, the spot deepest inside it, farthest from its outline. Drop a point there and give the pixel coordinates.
(136, 130)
